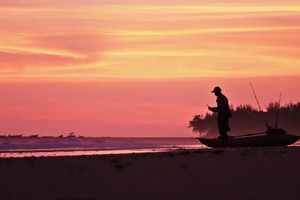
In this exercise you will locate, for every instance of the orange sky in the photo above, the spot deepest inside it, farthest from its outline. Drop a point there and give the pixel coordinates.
(140, 68)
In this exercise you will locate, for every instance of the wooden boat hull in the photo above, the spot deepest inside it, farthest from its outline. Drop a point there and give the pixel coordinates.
(252, 141)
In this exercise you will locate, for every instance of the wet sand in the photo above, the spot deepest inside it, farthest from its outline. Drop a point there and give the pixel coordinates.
(242, 173)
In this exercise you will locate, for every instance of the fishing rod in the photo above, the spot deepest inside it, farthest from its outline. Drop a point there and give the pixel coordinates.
(255, 96)
(268, 127)
(277, 114)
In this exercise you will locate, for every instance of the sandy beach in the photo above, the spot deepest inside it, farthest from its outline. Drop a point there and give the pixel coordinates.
(242, 173)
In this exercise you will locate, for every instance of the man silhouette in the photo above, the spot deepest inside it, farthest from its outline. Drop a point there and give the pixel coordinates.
(224, 114)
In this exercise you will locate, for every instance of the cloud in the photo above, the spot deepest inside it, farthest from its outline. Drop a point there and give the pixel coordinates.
(19, 60)
(85, 44)
(156, 39)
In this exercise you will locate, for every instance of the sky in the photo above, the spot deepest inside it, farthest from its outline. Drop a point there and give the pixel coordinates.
(140, 68)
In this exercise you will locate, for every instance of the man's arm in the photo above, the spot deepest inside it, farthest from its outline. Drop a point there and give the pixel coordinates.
(213, 109)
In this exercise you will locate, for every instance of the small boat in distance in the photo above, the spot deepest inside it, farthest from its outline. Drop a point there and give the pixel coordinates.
(71, 135)
(33, 136)
(272, 137)
(15, 136)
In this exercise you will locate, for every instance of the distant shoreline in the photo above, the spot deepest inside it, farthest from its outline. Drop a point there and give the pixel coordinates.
(26, 147)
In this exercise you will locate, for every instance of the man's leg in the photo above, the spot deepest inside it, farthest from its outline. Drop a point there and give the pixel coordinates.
(224, 136)
(223, 127)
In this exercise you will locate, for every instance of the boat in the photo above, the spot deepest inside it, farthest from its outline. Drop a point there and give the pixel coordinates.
(33, 136)
(15, 136)
(71, 135)
(271, 137)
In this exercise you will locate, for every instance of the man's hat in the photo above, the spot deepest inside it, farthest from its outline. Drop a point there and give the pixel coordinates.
(216, 89)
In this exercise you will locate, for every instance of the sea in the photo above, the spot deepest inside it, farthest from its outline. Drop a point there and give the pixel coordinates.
(77, 146)
(17, 147)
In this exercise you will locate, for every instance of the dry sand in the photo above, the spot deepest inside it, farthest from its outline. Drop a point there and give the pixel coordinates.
(242, 173)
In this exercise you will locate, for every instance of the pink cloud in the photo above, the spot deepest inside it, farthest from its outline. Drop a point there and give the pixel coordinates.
(84, 44)
(17, 59)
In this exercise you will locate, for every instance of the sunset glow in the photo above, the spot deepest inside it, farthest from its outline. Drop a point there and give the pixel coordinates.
(140, 68)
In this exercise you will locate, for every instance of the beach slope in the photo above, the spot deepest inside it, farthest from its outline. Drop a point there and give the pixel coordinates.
(242, 173)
